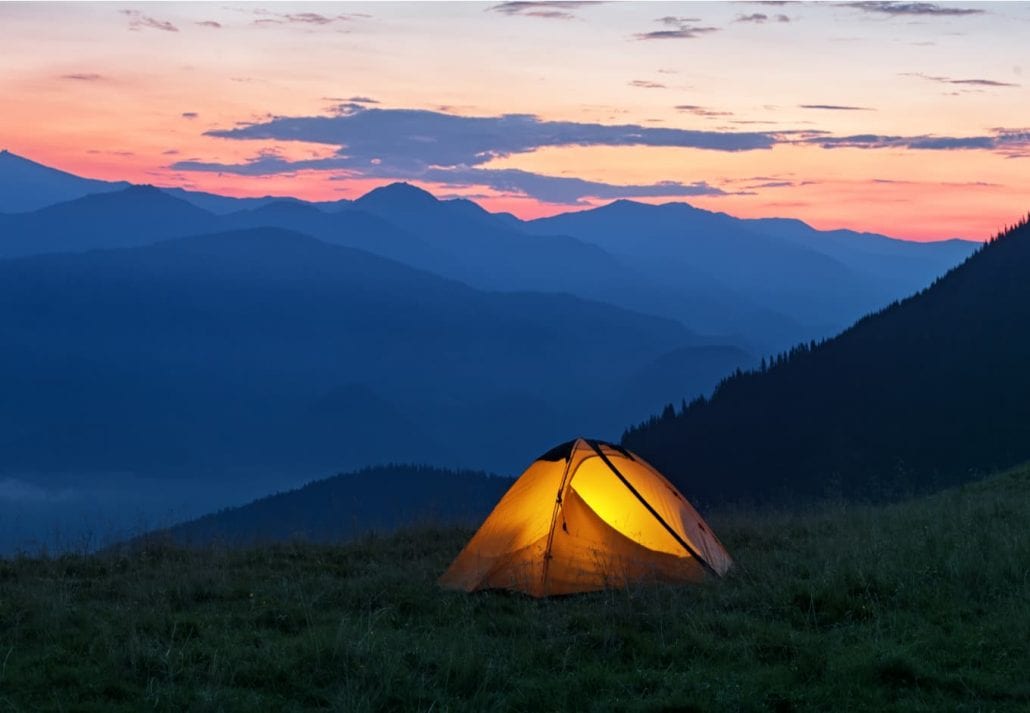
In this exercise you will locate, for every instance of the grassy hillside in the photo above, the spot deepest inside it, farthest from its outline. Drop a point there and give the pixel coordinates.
(914, 606)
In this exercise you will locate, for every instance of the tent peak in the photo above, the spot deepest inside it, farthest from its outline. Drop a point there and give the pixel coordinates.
(563, 450)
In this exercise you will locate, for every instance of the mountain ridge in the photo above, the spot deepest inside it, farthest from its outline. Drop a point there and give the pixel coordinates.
(395, 188)
(331, 510)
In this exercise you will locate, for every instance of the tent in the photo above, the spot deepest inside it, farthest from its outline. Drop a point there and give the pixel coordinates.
(587, 515)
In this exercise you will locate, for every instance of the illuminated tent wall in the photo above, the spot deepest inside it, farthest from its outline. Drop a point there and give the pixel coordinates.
(584, 516)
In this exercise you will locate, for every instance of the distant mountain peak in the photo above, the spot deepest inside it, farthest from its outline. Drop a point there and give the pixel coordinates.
(628, 205)
(13, 158)
(147, 188)
(399, 192)
(624, 202)
(141, 192)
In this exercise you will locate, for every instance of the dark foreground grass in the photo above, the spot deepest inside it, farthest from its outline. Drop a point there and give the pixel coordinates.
(919, 606)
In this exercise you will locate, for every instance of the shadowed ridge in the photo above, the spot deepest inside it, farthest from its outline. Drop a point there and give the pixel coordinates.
(377, 499)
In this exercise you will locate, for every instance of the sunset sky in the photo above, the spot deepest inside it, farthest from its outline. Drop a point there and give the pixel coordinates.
(911, 119)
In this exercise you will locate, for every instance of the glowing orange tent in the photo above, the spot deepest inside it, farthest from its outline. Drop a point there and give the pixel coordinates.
(587, 515)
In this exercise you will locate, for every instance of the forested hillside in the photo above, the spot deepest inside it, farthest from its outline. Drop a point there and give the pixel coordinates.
(373, 500)
(929, 391)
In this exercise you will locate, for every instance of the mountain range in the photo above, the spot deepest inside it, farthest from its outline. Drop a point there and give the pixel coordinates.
(165, 333)
(741, 282)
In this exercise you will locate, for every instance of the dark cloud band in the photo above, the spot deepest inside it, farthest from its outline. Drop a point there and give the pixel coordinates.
(835, 107)
(420, 138)
(921, 9)
(432, 146)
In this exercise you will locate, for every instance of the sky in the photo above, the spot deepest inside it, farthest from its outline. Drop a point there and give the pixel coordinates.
(905, 118)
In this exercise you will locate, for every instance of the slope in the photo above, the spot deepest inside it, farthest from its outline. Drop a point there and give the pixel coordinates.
(26, 185)
(927, 392)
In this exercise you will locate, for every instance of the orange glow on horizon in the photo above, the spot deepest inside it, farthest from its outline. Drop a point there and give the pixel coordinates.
(96, 96)
(947, 211)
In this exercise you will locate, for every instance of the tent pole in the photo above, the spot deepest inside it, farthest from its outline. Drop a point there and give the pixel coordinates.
(554, 513)
(659, 518)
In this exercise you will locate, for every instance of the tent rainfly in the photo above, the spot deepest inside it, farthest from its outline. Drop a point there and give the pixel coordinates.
(588, 515)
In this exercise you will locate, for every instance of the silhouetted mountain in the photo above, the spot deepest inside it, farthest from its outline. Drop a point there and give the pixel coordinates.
(930, 391)
(268, 349)
(26, 185)
(455, 239)
(377, 500)
(488, 255)
(744, 282)
(778, 264)
(137, 215)
(492, 252)
(400, 197)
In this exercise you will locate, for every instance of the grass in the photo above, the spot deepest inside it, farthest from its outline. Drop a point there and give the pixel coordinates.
(916, 606)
